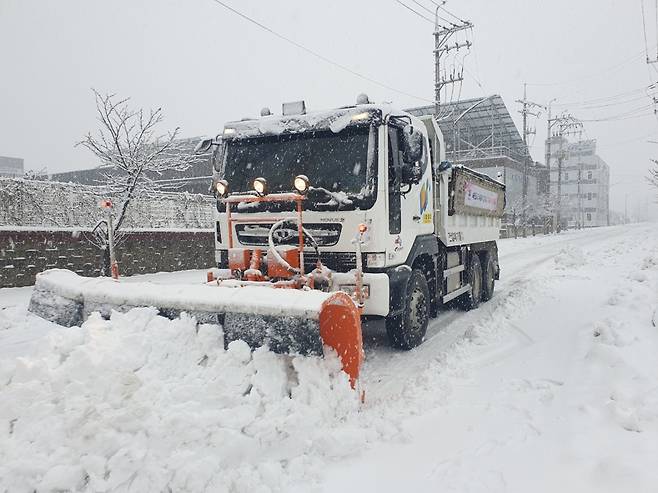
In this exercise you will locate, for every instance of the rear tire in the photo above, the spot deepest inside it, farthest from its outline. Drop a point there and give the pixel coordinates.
(472, 299)
(488, 277)
(407, 330)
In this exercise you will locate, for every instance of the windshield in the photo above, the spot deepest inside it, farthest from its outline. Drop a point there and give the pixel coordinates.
(340, 166)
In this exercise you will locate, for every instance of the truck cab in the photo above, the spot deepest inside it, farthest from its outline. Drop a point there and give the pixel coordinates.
(390, 220)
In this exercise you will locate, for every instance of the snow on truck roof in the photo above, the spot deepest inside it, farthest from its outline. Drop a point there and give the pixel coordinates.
(334, 120)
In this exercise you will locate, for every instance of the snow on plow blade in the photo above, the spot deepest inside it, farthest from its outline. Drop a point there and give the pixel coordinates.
(286, 320)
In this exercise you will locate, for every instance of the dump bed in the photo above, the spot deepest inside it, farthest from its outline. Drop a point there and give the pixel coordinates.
(474, 203)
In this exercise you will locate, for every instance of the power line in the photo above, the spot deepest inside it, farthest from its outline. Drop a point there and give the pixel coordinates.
(614, 103)
(573, 81)
(415, 12)
(607, 99)
(435, 14)
(632, 114)
(441, 7)
(423, 7)
(450, 13)
(318, 55)
(644, 30)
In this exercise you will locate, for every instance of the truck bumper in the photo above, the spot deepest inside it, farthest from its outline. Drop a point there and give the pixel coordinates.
(376, 286)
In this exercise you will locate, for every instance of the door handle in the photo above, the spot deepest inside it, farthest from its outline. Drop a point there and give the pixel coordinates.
(416, 218)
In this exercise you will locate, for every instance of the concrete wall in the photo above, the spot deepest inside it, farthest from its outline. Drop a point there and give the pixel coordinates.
(24, 253)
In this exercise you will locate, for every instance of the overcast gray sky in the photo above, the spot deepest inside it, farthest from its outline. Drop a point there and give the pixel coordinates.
(204, 65)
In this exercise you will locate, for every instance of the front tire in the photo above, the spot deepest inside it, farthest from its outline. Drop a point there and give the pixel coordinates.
(407, 329)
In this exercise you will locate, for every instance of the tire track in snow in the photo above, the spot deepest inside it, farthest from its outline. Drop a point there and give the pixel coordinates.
(388, 372)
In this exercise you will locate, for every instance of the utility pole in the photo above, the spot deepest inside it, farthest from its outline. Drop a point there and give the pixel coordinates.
(525, 111)
(581, 215)
(548, 158)
(548, 138)
(442, 35)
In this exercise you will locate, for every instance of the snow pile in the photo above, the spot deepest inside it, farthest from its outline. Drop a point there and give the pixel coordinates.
(569, 257)
(10, 317)
(143, 403)
(650, 261)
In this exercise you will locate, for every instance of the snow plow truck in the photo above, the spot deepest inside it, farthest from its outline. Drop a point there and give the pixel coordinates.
(323, 219)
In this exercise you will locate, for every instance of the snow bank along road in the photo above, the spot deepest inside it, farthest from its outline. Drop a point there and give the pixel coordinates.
(551, 386)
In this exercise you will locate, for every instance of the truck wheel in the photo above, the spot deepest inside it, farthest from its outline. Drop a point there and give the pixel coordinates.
(488, 277)
(407, 330)
(471, 300)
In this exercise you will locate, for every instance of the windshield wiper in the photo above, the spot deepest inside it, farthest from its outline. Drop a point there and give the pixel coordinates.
(334, 200)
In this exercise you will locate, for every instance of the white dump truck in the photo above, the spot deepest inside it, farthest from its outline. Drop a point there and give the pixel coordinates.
(394, 225)
(322, 219)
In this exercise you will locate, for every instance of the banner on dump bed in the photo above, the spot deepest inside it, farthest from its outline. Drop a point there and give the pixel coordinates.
(476, 195)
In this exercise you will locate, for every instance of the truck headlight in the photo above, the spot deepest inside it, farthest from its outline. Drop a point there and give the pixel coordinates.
(375, 260)
(350, 289)
(222, 188)
(301, 184)
(260, 185)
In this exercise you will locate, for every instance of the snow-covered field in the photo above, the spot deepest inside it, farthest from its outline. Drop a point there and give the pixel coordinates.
(551, 386)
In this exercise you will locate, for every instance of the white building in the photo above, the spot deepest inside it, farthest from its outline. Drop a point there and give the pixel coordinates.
(585, 182)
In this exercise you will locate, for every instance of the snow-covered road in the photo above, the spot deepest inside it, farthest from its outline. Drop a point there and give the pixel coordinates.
(550, 386)
(554, 387)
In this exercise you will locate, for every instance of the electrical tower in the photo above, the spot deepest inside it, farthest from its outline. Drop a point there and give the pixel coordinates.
(526, 107)
(442, 35)
(565, 124)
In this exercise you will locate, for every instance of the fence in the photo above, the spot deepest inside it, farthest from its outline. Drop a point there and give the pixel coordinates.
(45, 225)
(51, 204)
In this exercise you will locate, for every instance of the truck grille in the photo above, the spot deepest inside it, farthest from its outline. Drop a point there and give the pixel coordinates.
(337, 261)
(326, 234)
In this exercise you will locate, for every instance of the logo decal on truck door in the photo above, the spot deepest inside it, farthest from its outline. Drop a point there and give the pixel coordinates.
(425, 192)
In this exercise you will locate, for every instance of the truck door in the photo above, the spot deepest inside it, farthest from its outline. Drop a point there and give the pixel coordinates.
(409, 204)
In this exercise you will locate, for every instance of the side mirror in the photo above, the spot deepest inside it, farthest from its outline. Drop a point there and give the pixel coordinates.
(412, 145)
(203, 146)
(411, 155)
(411, 173)
(444, 166)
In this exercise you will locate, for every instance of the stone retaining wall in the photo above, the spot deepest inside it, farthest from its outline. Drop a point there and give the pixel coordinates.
(24, 253)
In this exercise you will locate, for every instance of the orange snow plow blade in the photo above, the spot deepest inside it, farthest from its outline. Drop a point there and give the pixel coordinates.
(289, 321)
(340, 329)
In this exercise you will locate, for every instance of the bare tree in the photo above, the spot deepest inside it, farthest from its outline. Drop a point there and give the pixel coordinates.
(653, 174)
(135, 157)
